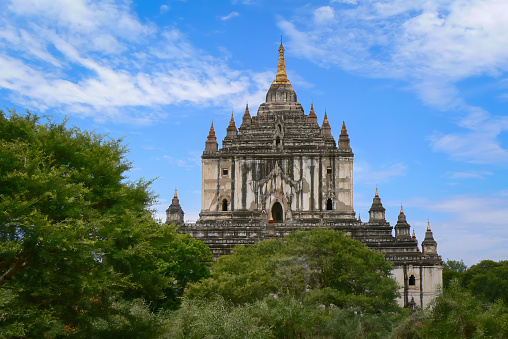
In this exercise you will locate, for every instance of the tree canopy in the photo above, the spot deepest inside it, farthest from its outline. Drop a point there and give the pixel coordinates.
(488, 280)
(321, 266)
(75, 234)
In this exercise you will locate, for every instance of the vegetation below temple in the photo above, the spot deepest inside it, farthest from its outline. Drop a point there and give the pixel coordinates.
(82, 256)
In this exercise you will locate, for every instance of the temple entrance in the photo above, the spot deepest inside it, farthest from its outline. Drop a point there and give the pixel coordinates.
(277, 214)
(329, 205)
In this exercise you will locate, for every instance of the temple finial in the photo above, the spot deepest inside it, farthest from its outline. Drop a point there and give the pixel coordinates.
(377, 193)
(428, 225)
(232, 121)
(401, 209)
(176, 193)
(414, 235)
(343, 130)
(281, 77)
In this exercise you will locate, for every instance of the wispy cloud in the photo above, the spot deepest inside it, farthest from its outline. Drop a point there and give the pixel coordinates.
(469, 227)
(78, 57)
(431, 44)
(164, 8)
(230, 16)
(365, 173)
(468, 175)
(324, 15)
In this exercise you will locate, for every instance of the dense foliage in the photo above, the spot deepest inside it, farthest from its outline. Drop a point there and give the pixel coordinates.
(322, 266)
(76, 238)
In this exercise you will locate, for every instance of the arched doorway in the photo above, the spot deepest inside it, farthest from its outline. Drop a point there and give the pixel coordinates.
(277, 213)
(224, 205)
(329, 205)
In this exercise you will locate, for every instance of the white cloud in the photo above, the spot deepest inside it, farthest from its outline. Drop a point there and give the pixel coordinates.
(468, 175)
(230, 15)
(431, 44)
(472, 228)
(351, 2)
(164, 8)
(323, 15)
(86, 49)
(479, 145)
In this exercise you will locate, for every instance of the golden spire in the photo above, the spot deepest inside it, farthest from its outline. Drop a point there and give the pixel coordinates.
(377, 194)
(212, 131)
(281, 77)
(428, 225)
(359, 218)
(176, 194)
(325, 120)
(344, 129)
(401, 210)
(232, 122)
(414, 235)
(312, 112)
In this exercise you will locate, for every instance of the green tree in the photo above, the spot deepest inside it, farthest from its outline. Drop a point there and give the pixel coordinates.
(454, 266)
(452, 269)
(75, 236)
(488, 280)
(458, 314)
(320, 266)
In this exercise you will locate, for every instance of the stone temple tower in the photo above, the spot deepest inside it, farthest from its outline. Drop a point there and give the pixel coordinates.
(278, 165)
(174, 213)
(280, 172)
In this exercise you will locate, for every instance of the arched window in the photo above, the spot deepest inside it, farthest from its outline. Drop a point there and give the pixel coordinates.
(412, 280)
(277, 142)
(277, 213)
(224, 205)
(329, 204)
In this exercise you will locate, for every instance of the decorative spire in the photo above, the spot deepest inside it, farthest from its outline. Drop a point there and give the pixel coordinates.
(429, 245)
(212, 131)
(312, 114)
(344, 129)
(281, 90)
(231, 130)
(246, 119)
(344, 138)
(174, 213)
(312, 109)
(326, 130)
(232, 121)
(377, 211)
(211, 144)
(359, 218)
(281, 77)
(414, 235)
(402, 228)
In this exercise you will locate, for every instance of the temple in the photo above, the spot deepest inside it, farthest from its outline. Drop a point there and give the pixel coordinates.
(280, 172)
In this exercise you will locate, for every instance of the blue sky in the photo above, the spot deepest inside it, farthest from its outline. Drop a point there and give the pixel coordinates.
(422, 86)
